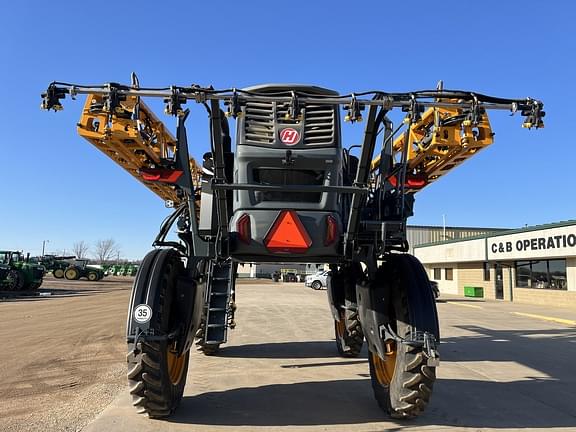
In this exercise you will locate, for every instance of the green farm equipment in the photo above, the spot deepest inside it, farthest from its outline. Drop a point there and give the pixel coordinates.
(56, 264)
(18, 273)
(79, 268)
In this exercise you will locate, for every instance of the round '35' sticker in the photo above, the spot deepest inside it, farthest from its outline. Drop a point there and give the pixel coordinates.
(142, 313)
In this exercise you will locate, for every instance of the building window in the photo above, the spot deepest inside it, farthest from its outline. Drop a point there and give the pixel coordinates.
(543, 274)
(486, 271)
(437, 274)
(448, 274)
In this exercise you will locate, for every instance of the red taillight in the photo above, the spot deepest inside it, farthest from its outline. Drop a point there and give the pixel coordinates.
(288, 234)
(244, 229)
(414, 182)
(331, 230)
(161, 175)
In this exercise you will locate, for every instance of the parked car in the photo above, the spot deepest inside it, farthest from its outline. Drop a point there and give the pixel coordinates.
(317, 280)
(435, 290)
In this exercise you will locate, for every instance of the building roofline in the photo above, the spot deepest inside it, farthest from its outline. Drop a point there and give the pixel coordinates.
(503, 233)
(459, 227)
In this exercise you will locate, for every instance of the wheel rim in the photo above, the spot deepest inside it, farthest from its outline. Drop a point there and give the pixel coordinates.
(175, 365)
(92, 276)
(59, 273)
(384, 368)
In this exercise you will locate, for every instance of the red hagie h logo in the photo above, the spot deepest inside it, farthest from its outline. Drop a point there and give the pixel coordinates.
(289, 136)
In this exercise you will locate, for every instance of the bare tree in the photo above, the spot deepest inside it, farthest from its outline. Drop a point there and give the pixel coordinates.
(106, 250)
(80, 249)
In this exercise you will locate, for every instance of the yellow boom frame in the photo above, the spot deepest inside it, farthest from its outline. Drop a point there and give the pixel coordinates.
(134, 144)
(442, 139)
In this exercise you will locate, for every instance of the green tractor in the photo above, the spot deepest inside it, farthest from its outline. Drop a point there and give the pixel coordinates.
(18, 273)
(56, 264)
(79, 268)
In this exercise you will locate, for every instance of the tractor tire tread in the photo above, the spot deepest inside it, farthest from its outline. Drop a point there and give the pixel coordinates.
(410, 390)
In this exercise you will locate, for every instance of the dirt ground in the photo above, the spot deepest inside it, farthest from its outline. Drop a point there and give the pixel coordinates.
(62, 356)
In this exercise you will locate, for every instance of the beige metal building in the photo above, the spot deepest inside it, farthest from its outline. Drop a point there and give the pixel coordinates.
(531, 265)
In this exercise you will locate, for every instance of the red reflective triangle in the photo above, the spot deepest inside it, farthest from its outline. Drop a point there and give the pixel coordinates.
(288, 234)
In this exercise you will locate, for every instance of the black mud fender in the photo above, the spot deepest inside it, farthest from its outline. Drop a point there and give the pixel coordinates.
(421, 302)
(398, 272)
(372, 297)
(336, 293)
(144, 290)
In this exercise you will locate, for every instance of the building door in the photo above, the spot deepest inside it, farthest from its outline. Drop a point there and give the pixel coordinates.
(499, 282)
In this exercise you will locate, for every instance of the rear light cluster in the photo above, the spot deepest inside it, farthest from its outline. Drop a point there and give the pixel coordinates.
(244, 229)
(287, 234)
(331, 230)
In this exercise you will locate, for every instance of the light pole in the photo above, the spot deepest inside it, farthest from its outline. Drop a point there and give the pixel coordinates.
(43, 245)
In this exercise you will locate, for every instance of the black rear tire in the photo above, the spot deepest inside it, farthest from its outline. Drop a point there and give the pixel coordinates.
(349, 334)
(156, 375)
(403, 382)
(14, 280)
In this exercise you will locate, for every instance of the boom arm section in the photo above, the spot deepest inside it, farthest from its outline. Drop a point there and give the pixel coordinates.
(133, 137)
(439, 141)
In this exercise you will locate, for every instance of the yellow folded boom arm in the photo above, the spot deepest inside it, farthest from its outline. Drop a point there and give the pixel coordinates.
(136, 144)
(438, 142)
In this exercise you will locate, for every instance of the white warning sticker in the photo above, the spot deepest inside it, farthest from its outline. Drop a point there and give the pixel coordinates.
(142, 313)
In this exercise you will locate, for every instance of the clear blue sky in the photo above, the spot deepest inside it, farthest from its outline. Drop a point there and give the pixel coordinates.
(58, 187)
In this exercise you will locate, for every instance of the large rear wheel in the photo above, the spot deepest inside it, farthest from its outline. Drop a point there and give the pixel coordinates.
(156, 373)
(402, 380)
(14, 280)
(72, 273)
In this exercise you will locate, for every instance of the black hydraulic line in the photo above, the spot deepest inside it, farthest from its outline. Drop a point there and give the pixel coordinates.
(364, 163)
(165, 228)
(381, 98)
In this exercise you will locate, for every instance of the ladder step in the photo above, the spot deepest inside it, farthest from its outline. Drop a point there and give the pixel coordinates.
(216, 325)
(217, 309)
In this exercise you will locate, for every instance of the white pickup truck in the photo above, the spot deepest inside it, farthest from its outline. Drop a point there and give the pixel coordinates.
(317, 280)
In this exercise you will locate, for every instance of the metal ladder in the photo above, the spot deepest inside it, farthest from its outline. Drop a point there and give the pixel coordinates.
(218, 304)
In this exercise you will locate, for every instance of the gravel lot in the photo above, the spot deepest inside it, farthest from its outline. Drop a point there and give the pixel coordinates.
(62, 355)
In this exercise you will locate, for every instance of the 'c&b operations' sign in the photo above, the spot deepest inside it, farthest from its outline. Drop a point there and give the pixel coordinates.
(549, 243)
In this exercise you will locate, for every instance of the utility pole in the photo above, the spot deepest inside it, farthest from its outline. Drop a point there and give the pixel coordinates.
(43, 245)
